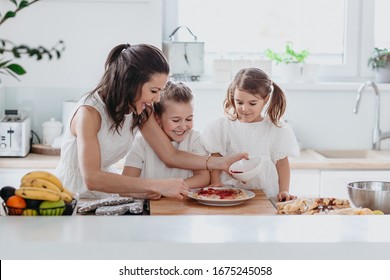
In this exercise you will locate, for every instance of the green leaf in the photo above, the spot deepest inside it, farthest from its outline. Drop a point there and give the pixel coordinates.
(16, 68)
(9, 14)
(15, 53)
(23, 4)
(14, 1)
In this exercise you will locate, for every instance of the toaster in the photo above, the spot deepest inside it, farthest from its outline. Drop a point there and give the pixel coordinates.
(15, 134)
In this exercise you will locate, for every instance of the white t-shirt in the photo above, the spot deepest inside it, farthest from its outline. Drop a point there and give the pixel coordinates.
(142, 156)
(260, 139)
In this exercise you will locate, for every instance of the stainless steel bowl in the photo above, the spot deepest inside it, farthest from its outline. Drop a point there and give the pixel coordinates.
(370, 194)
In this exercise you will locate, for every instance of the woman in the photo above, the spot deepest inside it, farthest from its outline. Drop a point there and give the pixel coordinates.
(102, 127)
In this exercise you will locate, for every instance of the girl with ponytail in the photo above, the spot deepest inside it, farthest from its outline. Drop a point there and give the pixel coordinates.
(254, 106)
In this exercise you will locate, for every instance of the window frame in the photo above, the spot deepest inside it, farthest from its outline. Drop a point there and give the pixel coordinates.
(359, 40)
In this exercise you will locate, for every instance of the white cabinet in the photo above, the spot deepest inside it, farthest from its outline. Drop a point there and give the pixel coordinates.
(334, 183)
(330, 183)
(305, 182)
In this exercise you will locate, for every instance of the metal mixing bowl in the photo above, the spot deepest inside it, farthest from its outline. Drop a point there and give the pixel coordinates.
(370, 194)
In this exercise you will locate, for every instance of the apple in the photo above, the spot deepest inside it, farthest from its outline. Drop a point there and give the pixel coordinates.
(52, 208)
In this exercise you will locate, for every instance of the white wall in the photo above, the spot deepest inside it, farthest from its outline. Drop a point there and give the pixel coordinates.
(89, 28)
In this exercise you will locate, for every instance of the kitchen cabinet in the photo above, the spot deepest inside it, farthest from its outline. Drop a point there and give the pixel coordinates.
(305, 182)
(330, 183)
(334, 182)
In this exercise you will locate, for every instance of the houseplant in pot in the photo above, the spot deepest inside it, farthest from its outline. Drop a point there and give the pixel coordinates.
(380, 64)
(290, 62)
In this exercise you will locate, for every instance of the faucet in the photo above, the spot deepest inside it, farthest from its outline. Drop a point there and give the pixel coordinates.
(377, 135)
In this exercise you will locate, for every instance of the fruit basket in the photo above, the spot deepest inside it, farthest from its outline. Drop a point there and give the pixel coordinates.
(66, 210)
(41, 193)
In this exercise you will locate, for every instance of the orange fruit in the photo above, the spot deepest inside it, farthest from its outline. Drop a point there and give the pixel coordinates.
(16, 201)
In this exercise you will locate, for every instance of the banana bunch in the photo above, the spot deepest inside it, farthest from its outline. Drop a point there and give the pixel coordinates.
(43, 185)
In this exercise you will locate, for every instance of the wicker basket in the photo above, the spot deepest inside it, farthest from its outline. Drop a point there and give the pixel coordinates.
(66, 210)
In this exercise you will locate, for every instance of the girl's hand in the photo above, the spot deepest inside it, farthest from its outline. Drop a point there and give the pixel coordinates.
(172, 187)
(285, 196)
(223, 163)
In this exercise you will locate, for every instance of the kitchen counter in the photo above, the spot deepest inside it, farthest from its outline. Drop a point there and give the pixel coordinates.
(31, 161)
(195, 237)
(258, 205)
(309, 159)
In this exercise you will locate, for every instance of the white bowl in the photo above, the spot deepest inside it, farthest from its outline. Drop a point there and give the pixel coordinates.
(246, 169)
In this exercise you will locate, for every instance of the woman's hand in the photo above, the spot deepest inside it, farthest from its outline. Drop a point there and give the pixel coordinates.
(172, 187)
(223, 163)
(143, 195)
(215, 185)
(285, 196)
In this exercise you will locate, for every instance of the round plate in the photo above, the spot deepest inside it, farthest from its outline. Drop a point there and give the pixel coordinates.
(222, 202)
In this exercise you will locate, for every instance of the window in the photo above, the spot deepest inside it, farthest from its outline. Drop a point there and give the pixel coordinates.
(337, 33)
(382, 22)
(252, 26)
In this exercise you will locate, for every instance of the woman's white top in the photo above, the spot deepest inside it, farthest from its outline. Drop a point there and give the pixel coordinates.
(113, 147)
(262, 140)
(143, 157)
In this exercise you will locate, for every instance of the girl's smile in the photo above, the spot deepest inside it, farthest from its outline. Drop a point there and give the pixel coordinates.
(176, 120)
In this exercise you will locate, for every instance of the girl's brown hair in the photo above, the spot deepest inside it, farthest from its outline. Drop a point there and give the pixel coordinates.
(177, 92)
(256, 82)
(127, 69)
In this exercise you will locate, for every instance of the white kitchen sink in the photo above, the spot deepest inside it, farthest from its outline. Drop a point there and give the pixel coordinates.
(353, 154)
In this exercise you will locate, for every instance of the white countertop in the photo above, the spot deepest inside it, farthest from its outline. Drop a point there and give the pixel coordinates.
(195, 237)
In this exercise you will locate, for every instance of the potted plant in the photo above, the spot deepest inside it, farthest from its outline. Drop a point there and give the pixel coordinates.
(10, 51)
(380, 64)
(290, 62)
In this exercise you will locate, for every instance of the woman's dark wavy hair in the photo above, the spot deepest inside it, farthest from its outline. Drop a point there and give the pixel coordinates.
(256, 82)
(127, 69)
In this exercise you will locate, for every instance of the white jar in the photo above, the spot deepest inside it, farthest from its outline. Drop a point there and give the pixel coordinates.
(50, 130)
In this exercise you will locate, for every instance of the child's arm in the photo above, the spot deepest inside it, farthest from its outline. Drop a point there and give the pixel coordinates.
(172, 157)
(283, 168)
(200, 179)
(131, 171)
(215, 175)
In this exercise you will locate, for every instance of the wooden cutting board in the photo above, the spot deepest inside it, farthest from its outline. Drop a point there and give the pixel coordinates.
(259, 205)
(45, 150)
